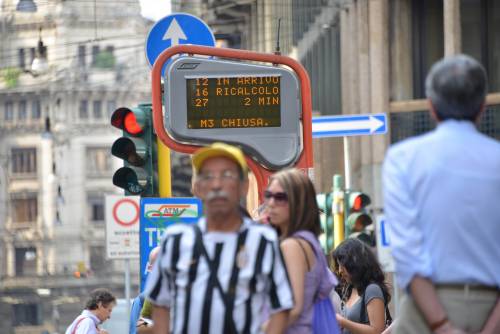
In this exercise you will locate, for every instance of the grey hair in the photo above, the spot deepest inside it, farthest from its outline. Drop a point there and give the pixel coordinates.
(457, 87)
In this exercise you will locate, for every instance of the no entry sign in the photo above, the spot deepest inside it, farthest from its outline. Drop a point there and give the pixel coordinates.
(122, 227)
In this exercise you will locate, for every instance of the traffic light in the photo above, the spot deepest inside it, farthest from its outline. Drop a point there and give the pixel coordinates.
(325, 205)
(137, 147)
(358, 218)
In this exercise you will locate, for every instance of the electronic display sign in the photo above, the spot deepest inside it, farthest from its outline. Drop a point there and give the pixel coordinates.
(254, 106)
(233, 102)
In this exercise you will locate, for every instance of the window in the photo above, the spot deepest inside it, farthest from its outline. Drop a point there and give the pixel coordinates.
(26, 261)
(32, 55)
(95, 53)
(83, 110)
(480, 22)
(98, 160)
(36, 110)
(9, 111)
(22, 59)
(96, 208)
(110, 49)
(428, 41)
(81, 55)
(111, 106)
(22, 114)
(24, 208)
(98, 262)
(97, 109)
(27, 315)
(23, 161)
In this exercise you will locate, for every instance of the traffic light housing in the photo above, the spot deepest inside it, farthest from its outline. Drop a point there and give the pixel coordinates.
(137, 147)
(357, 217)
(325, 202)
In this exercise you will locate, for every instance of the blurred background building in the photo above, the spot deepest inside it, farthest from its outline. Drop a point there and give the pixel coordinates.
(65, 67)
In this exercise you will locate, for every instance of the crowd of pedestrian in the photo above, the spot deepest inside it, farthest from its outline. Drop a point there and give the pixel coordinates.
(231, 274)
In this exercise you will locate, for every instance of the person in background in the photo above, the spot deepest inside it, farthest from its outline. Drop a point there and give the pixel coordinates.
(139, 301)
(98, 309)
(217, 276)
(441, 193)
(365, 294)
(290, 201)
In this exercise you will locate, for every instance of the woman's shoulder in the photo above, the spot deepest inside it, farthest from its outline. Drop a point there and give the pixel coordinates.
(373, 290)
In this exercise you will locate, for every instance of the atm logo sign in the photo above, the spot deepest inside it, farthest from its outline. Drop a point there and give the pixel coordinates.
(171, 210)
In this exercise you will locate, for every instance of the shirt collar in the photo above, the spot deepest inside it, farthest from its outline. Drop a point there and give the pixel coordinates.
(89, 314)
(202, 224)
(456, 125)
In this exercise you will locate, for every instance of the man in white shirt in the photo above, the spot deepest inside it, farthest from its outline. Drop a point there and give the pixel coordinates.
(97, 310)
(441, 195)
(224, 274)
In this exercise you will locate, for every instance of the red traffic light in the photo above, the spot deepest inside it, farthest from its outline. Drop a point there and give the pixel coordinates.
(358, 201)
(131, 125)
(133, 121)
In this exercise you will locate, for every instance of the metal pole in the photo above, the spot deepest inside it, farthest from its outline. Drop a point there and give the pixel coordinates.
(127, 288)
(164, 170)
(338, 210)
(347, 164)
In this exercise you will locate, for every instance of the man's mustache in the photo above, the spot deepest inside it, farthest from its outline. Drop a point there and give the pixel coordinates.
(220, 194)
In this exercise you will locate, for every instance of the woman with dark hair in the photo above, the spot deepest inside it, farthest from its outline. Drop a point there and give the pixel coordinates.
(291, 206)
(364, 292)
(98, 309)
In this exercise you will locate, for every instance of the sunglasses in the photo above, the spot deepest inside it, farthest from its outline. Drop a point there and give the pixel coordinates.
(279, 197)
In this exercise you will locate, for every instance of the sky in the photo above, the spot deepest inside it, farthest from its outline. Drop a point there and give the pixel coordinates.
(152, 9)
(155, 9)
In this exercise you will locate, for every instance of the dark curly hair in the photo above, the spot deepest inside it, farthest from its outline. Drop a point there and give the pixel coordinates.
(97, 296)
(361, 264)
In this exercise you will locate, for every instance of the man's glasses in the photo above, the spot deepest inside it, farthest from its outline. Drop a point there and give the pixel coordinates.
(279, 197)
(225, 176)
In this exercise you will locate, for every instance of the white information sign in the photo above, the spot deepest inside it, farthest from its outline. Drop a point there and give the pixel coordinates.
(384, 245)
(122, 227)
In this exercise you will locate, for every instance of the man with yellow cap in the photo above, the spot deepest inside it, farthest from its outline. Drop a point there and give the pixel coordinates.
(226, 273)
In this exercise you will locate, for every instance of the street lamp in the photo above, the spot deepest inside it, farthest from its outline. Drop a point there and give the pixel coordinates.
(40, 64)
(26, 6)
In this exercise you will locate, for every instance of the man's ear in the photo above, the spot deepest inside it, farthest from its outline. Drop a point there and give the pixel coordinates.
(481, 112)
(244, 187)
(432, 110)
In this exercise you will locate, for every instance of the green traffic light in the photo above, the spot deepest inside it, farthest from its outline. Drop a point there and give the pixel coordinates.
(126, 178)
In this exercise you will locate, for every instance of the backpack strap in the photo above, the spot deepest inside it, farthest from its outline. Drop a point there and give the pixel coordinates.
(78, 322)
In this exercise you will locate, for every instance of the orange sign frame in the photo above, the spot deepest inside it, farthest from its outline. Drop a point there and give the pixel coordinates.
(305, 160)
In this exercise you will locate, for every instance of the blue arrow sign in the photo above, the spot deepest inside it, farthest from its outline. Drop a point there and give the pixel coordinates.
(349, 125)
(180, 28)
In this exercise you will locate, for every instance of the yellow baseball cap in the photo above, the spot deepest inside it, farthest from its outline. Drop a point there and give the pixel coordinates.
(219, 150)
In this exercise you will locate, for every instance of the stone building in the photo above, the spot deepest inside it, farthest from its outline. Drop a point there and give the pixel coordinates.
(365, 56)
(65, 67)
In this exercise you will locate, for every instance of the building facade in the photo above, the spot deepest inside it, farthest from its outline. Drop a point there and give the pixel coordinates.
(66, 66)
(365, 56)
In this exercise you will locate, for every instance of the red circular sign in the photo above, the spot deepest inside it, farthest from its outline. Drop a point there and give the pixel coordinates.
(123, 222)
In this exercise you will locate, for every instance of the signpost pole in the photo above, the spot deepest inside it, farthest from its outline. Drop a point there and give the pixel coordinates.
(127, 287)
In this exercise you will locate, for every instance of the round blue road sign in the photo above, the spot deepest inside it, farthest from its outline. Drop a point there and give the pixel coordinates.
(175, 29)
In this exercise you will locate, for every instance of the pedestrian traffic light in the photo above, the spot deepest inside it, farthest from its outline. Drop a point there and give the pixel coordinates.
(358, 218)
(137, 148)
(325, 205)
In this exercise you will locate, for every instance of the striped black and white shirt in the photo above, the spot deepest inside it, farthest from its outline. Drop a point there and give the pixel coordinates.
(250, 261)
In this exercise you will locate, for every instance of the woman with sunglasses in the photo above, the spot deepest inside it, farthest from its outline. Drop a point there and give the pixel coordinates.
(292, 209)
(364, 294)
